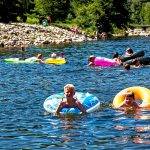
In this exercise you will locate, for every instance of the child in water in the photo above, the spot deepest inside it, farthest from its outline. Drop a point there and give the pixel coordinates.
(69, 100)
(129, 101)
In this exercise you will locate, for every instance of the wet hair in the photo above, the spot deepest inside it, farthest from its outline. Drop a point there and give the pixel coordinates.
(91, 58)
(129, 94)
(69, 86)
(129, 50)
(116, 55)
(126, 66)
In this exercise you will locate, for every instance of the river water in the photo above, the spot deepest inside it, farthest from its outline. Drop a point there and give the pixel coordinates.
(24, 124)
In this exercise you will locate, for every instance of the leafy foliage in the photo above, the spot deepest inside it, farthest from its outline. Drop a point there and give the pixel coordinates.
(90, 15)
(57, 9)
(145, 13)
(11, 9)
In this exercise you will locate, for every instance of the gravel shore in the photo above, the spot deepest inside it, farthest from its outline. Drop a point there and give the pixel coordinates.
(25, 35)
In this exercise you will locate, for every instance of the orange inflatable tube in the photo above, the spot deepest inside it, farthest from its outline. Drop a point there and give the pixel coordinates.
(140, 93)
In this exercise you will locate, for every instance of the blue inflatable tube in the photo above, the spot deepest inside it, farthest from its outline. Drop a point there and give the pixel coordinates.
(89, 101)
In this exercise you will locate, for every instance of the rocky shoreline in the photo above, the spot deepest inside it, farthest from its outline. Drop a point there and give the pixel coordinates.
(22, 35)
(17, 35)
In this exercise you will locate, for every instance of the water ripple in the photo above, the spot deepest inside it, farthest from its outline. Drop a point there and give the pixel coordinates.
(24, 87)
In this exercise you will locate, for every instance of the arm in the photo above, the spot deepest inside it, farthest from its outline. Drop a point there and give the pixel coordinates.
(91, 64)
(59, 108)
(135, 105)
(122, 107)
(41, 61)
(81, 107)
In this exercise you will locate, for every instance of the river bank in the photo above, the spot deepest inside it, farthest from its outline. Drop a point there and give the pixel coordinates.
(17, 35)
(22, 35)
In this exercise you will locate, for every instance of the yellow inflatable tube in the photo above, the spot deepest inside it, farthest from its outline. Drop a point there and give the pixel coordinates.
(140, 93)
(56, 61)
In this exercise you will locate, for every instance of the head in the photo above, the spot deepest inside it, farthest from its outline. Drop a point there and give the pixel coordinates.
(129, 51)
(129, 97)
(126, 66)
(69, 90)
(53, 55)
(116, 55)
(39, 56)
(136, 62)
(91, 58)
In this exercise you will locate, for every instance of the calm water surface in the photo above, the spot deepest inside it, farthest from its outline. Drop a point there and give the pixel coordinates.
(24, 87)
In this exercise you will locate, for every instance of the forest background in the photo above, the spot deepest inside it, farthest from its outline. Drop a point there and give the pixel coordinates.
(91, 16)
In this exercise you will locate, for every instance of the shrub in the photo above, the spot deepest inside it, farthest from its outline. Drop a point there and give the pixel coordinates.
(32, 19)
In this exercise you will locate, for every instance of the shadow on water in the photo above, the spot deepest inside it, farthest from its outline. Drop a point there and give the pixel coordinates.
(24, 87)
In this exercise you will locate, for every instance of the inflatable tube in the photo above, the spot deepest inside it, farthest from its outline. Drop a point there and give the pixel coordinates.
(18, 60)
(56, 61)
(129, 62)
(135, 55)
(89, 101)
(104, 62)
(143, 61)
(140, 93)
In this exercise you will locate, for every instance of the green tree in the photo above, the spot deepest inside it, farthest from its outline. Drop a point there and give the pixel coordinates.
(145, 13)
(135, 9)
(102, 15)
(120, 13)
(57, 9)
(24, 7)
(10, 9)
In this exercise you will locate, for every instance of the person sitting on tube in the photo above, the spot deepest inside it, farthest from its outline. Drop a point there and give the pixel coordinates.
(129, 52)
(136, 63)
(53, 55)
(70, 101)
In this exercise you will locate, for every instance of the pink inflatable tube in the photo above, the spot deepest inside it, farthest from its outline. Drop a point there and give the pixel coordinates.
(104, 62)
